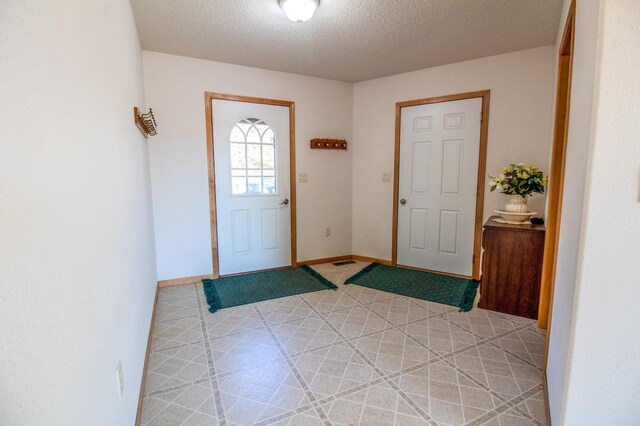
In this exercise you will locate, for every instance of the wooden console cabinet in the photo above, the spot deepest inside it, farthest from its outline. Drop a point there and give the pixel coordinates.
(512, 268)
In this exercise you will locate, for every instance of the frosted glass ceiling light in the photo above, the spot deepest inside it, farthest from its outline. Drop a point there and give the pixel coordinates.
(299, 10)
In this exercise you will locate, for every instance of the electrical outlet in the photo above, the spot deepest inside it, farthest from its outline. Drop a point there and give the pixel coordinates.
(120, 379)
(327, 232)
(303, 178)
(386, 177)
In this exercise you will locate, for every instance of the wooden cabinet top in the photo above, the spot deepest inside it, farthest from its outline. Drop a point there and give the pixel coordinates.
(490, 224)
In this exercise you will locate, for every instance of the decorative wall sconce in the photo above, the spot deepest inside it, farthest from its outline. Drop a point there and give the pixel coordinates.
(328, 144)
(145, 122)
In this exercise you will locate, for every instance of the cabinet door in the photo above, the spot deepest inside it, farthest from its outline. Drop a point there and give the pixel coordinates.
(511, 271)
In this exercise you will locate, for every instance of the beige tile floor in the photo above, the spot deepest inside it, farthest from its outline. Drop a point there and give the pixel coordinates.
(355, 356)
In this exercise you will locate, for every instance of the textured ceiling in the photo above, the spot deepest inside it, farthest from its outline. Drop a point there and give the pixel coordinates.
(348, 40)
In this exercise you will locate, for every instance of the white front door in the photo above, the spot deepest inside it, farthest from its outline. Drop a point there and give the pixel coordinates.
(253, 211)
(439, 152)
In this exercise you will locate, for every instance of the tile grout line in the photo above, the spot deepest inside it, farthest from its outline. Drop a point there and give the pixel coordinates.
(182, 345)
(349, 341)
(328, 399)
(296, 319)
(395, 326)
(496, 315)
(170, 298)
(215, 386)
(507, 405)
(445, 357)
(166, 320)
(339, 342)
(515, 408)
(515, 355)
(409, 401)
(523, 397)
(310, 396)
(296, 354)
(517, 326)
(284, 416)
(489, 415)
(176, 387)
(438, 357)
(491, 340)
(492, 392)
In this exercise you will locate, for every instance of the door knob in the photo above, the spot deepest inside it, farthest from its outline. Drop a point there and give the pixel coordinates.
(403, 201)
(285, 202)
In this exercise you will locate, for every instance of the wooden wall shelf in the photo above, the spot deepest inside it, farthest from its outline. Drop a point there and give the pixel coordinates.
(328, 144)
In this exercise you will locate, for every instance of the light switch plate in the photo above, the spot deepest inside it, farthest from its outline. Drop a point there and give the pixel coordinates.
(386, 177)
(303, 178)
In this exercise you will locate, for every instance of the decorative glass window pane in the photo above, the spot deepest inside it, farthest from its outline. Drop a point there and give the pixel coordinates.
(238, 158)
(253, 136)
(262, 128)
(253, 158)
(268, 157)
(244, 127)
(237, 135)
(254, 185)
(269, 185)
(268, 137)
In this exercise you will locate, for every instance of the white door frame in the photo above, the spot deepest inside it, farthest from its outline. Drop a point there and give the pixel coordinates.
(208, 98)
(482, 165)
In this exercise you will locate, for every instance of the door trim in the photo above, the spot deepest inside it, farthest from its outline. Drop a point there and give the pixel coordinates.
(482, 166)
(208, 98)
(558, 160)
(556, 187)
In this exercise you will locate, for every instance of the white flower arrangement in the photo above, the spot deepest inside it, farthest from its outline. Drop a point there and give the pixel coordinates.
(518, 179)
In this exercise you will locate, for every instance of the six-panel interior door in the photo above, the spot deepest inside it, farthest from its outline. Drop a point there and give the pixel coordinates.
(251, 154)
(439, 151)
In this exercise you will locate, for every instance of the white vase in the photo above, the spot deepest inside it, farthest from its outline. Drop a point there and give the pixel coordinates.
(516, 204)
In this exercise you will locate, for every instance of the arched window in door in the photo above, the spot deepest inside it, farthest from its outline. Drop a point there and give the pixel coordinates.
(253, 158)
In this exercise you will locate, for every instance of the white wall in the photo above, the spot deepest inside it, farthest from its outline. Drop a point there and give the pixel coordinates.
(584, 67)
(521, 110)
(603, 363)
(174, 87)
(77, 271)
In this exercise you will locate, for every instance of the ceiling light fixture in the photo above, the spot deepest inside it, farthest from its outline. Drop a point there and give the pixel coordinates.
(299, 10)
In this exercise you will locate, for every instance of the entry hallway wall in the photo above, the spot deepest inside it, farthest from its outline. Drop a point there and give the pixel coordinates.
(522, 96)
(594, 360)
(174, 87)
(77, 266)
(571, 232)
